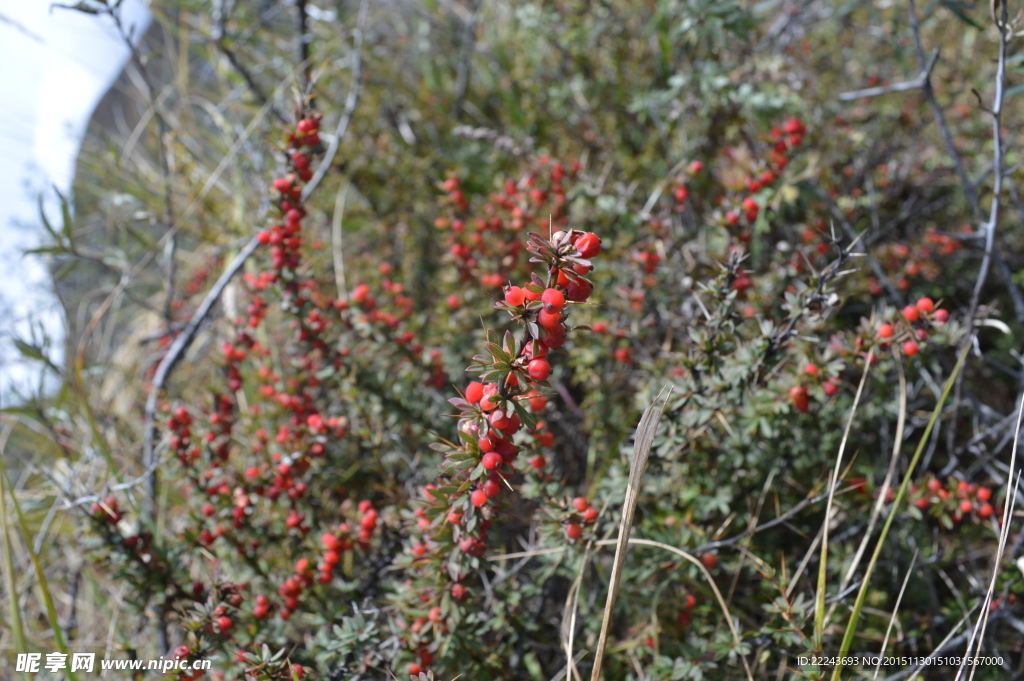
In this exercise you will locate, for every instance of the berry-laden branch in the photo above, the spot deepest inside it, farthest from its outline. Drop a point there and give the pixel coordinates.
(451, 529)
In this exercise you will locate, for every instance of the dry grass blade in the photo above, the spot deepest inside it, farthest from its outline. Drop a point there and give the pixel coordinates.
(896, 608)
(336, 248)
(714, 588)
(641, 450)
(1004, 535)
(819, 610)
(851, 627)
(876, 512)
(569, 620)
(44, 587)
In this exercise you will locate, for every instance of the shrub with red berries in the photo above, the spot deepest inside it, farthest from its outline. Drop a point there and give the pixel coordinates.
(390, 359)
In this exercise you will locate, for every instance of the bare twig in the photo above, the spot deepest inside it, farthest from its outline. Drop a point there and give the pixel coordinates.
(940, 117)
(350, 104)
(918, 83)
(989, 228)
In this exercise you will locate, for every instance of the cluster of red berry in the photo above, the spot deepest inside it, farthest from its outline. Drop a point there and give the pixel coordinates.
(585, 514)
(485, 248)
(956, 498)
(799, 394)
(458, 510)
(685, 616)
(783, 141)
(913, 330)
(285, 237)
(903, 263)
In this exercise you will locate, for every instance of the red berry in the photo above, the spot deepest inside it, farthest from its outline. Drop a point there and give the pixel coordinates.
(696, 167)
(910, 348)
(435, 614)
(579, 290)
(966, 506)
(588, 245)
(490, 398)
(553, 299)
(458, 592)
(885, 331)
(709, 560)
(478, 498)
(590, 515)
(811, 370)
(911, 313)
(580, 504)
(515, 295)
(689, 600)
(491, 460)
(539, 369)
(830, 388)
(984, 494)
(921, 503)
(925, 305)
(549, 319)
(941, 316)
(574, 530)
(934, 485)
(492, 488)
(224, 623)
(985, 510)
(798, 395)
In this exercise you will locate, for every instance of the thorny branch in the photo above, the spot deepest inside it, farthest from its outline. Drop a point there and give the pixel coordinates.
(184, 340)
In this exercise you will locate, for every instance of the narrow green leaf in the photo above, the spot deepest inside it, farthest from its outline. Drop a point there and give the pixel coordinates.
(17, 627)
(51, 611)
(851, 627)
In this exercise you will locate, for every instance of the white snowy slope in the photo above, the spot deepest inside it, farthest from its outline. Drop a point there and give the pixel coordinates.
(55, 65)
